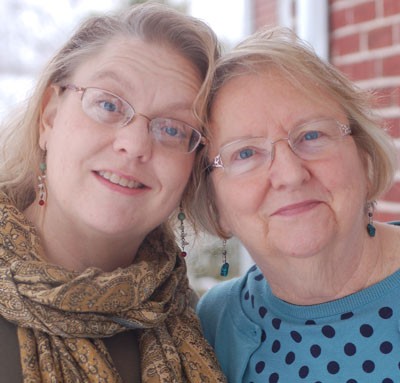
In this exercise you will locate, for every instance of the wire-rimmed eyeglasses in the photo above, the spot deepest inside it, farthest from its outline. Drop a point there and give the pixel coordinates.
(109, 109)
(309, 141)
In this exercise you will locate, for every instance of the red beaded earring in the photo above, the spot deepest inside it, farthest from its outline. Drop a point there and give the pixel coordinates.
(42, 180)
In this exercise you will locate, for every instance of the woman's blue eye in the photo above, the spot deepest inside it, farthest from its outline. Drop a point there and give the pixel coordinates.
(109, 106)
(246, 153)
(171, 131)
(311, 135)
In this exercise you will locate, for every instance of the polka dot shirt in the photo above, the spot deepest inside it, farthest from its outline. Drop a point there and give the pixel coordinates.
(355, 339)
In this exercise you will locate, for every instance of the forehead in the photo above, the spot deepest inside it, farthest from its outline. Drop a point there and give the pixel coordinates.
(133, 62)
(250, 104)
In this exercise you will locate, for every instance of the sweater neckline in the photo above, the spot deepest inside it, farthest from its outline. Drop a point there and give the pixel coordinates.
(258, 286)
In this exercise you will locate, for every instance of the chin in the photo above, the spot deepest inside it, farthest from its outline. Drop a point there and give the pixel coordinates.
(302, 241)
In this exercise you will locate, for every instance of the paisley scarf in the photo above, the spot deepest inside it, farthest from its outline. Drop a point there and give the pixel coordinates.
(62, 315)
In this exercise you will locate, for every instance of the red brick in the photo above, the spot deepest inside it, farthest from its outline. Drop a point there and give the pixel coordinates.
(387, 97)
(391, 66)
(380, 37)
(359, 71)
(391, 7)
(338, 19)
(364, 12)
(346, 45)
(386, 217)
(393, 126)
(393, 195)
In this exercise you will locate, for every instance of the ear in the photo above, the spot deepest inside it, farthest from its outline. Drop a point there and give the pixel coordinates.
(48, 113)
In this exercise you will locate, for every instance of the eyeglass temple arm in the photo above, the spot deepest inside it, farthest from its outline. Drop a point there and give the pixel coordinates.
(345, 129)
(217, 162)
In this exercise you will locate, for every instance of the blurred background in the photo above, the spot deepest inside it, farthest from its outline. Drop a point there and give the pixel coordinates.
(359, 37)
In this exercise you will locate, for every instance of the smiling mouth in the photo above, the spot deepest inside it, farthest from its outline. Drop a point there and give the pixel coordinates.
(117, 180)
(297, 208)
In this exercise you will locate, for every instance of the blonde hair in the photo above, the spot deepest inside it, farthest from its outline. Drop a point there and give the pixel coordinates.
(280, 52)
(20, 154)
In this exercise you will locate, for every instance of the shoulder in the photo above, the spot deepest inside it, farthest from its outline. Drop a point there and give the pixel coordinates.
(217, 297)
(213, 307)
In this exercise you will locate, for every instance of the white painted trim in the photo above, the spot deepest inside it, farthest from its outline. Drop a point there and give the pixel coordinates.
(339, 5)
(360, 56)
(285, 17)
(312, 25)
(379, 83)
(388, 207)
(389, 112)
(248, 17)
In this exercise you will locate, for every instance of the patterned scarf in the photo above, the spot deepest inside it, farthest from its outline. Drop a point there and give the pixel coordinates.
(62, 315)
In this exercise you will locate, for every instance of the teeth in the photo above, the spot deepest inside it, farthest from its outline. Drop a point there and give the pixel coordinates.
(116, 179)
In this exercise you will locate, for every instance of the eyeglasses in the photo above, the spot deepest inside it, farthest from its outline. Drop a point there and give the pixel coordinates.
(109, 109)
(309, 141)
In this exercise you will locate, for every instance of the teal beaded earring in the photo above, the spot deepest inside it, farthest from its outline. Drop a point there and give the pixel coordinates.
(42, 180)
(225, 265)
(181, 218)
(370, 227)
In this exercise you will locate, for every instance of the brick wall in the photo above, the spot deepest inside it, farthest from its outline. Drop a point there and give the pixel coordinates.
(365, 45)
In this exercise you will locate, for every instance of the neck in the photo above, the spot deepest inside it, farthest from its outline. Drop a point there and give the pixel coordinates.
(75, 247)
(330, 275)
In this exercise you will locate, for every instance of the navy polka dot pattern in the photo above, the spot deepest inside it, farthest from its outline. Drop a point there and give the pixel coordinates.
(333, 367)
(262, 311)
(328, 331)
(290, 357)
(344, 341)
(263, 336)
(346, 316)
(385, 312)
(350, 349)
(315, 350)
(273, 378)
(366, 330)
(260, 367)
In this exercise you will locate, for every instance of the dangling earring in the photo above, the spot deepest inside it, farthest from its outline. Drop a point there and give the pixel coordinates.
(225, 265)
(181, 217)
(370, 227)
(42, 180)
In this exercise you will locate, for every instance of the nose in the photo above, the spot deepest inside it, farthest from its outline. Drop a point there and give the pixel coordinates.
(287, 170)
(134, 139)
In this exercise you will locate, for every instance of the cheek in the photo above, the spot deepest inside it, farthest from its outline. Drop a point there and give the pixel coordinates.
(240, 201)
(175, 172)
(344, 178)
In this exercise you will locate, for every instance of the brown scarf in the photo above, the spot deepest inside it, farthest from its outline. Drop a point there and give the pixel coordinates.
(62, 315)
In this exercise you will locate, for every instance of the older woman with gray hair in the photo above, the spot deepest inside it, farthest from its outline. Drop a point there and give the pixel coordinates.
(295, 162)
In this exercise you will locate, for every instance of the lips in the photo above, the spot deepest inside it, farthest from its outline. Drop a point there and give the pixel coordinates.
(118, 180)
(296, 208)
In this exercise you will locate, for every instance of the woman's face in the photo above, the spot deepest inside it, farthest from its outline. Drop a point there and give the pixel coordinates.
(294, 207)
(118, 180)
